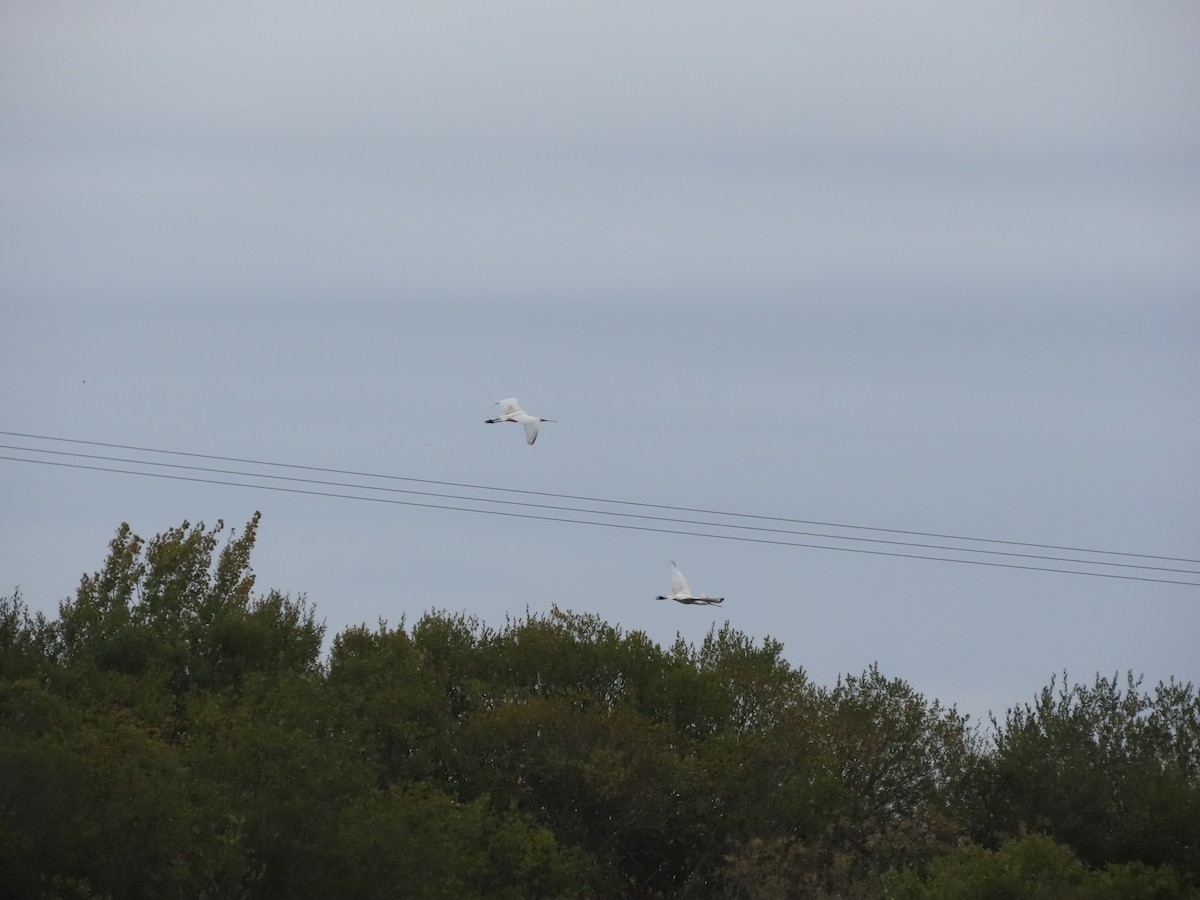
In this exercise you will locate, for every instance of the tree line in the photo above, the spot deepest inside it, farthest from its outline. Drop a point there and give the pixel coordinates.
(173, 733)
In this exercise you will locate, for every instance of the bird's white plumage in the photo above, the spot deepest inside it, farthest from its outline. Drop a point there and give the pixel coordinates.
(681, 593)
(508, 407)
(510, 411)
(679, 584)
(531, 427)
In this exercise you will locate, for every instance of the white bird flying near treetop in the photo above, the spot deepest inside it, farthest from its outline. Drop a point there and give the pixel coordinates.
(681, 593)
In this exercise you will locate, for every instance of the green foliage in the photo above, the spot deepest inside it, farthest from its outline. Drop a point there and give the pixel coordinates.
(1034, 867)
(856, 780)
(1113, 773)
(24, 639)
(172, 733)
(164, 608)
(88, 796)
(417, 842)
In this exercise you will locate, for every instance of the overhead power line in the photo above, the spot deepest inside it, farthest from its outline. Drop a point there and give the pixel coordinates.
(494, 512)
(599, 512)
(569, 520)
(605, 500)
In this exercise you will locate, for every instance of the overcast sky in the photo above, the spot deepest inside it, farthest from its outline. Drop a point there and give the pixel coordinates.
(930, 267)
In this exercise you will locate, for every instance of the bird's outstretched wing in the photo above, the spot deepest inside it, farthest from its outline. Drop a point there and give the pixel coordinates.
(531, 430)
(508, 407)
(679, 585)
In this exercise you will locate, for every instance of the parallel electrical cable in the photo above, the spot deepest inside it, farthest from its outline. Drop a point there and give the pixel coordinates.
(618, 525)
(763, 518)
(599, 512)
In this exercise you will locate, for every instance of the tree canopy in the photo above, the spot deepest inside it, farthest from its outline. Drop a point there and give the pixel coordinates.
(171, 732)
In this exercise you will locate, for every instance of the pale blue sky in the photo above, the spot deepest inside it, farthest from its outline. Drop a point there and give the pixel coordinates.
(927, 268)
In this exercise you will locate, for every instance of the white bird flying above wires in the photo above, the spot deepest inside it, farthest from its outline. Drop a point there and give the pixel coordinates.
(510, 411)
(681, 593)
